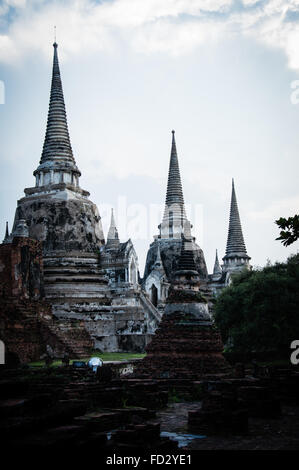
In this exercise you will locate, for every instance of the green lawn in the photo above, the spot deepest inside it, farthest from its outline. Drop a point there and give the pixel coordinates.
(104, 356)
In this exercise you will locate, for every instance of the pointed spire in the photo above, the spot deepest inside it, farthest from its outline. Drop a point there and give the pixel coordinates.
(174, 214)
(235, 240)
(57, 150)
(6, 231)
(158, 262)
(7, 237)
(112, 237)
(158, 257)
(236, 257)
(57, 143)
(217, 268)
(174, 194)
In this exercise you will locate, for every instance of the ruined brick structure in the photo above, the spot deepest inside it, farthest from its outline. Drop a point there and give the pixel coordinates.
(27, 325)
(21, 269)
(186, 344)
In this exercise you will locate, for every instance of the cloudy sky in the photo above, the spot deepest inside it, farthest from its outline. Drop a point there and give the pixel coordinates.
(222, 73)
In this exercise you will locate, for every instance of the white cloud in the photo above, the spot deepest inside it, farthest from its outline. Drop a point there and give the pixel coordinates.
(173, 26)
(175, 39)
(8, 52)
(6, 4)
(135, 13)
(250, 2)
(282, 208)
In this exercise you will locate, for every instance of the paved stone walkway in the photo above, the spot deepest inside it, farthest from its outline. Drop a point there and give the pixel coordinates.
(264, 434)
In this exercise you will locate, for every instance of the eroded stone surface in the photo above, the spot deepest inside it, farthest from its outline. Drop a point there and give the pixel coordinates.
(62, 225)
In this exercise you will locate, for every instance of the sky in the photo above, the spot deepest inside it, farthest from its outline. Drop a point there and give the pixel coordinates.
(223, 73)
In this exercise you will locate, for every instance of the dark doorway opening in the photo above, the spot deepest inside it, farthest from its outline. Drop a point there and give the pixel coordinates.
(154, 295)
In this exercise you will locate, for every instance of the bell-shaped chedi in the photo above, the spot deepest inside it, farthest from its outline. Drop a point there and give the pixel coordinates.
(57, 210)
(186, 345)
(59, 214)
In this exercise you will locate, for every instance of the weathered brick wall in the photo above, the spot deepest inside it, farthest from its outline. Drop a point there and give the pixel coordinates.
(27, 325)
(183, 347)
(20, 328)
(21, 269)
(21, 281)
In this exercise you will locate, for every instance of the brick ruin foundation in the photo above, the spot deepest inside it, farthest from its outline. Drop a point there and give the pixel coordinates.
(187, 344)
(27, 326)
(183, 347)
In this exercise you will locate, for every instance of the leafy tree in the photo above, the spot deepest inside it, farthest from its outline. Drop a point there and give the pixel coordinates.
(290, 229)
(259, 312)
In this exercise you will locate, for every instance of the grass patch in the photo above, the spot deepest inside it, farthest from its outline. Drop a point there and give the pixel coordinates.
(104, 356)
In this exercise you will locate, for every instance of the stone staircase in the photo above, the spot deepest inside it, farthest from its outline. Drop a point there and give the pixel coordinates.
(153, 312)
(28, 326)
(73, 335)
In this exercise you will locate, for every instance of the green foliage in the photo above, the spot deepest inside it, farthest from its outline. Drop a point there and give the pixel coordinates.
(259, 312)
(290, 229)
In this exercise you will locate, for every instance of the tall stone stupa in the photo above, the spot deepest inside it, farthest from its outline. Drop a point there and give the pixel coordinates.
(164, 253)
(89, 284)
(58, 211)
